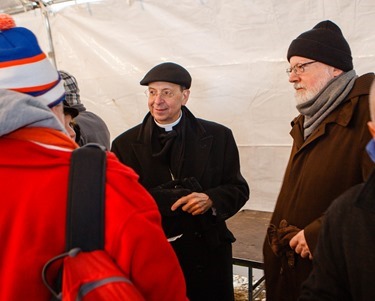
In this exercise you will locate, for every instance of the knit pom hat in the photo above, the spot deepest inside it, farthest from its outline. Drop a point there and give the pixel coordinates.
(324, 43)
(24, 67)
(168, 72)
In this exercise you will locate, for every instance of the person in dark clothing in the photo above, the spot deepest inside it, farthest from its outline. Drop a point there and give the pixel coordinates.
(328, 155)
(91, 127)
(191, 167)
(344, 260)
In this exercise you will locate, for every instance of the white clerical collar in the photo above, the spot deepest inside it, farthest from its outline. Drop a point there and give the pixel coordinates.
(169, 127)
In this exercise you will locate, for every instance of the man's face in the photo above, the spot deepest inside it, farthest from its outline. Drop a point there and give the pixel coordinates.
(165, 101)
(312, 79)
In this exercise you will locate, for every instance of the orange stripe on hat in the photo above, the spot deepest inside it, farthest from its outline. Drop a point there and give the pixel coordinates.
(36, 88)
(24, 61)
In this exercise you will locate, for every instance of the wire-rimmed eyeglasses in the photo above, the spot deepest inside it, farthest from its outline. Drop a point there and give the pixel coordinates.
(151, 93)
(298, 68)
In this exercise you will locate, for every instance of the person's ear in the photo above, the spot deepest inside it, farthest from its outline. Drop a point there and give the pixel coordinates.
(337, 72)
(185, 94)
(371, 127)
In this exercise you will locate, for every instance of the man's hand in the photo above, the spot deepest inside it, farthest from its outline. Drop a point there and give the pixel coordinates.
(195, 203)
(299, 245)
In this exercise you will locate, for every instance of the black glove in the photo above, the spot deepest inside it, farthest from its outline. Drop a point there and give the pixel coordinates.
(168, 193)
(178, 221)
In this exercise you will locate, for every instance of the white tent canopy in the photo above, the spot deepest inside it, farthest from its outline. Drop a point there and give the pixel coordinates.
(235, 51)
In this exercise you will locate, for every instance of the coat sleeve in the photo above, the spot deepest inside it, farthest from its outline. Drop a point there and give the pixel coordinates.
(233, 191)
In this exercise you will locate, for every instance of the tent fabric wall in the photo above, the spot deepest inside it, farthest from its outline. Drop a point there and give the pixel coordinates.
(235, 51)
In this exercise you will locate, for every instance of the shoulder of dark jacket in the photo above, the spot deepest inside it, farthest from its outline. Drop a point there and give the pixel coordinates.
(362, 85)
(204, 124)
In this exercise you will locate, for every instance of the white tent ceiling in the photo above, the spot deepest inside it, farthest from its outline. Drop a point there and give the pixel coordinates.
(235, 51)
(14, 6)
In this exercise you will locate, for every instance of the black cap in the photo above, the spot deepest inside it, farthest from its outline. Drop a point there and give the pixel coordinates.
(68, 110)
(168, 72)
(324, 43)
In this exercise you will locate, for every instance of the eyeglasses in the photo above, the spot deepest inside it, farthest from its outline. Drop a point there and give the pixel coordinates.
(163, 93)
(299, 68)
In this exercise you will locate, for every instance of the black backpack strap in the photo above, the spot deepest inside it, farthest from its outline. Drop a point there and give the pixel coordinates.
(86, 194)
(85, 207)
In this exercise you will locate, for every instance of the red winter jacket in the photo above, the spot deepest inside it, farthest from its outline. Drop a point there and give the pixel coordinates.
(34, 181)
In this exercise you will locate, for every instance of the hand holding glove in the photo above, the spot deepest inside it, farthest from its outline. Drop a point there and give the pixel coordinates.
(279, 237)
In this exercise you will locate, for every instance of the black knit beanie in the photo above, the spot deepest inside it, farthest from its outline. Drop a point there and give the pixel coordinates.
(324, 43)
(168, 72)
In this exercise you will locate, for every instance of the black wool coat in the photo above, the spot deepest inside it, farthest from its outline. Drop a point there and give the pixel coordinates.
(210, 155)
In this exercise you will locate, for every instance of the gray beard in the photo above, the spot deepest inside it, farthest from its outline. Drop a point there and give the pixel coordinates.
(302, 98)
(314, 91)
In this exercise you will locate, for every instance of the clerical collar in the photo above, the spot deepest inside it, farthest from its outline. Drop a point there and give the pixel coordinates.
(169, 127)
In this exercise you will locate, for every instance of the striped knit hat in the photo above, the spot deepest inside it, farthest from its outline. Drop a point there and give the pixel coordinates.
(24, 67)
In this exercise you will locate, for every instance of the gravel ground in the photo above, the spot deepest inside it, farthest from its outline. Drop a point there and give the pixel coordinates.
(241, 285)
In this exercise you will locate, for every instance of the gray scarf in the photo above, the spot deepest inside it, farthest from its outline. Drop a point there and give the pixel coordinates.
(318, 108)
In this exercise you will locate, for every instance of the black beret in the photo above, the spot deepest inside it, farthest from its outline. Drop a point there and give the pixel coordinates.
(168, 72)
(324, 43)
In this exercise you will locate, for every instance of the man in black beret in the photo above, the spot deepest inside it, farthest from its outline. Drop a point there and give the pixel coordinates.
(328, 155)
(191, 168)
